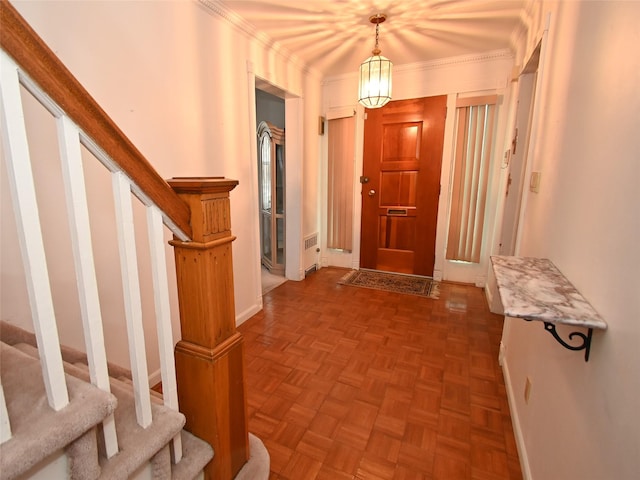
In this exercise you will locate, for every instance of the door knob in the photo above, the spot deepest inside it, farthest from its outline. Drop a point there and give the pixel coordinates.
(372, 193)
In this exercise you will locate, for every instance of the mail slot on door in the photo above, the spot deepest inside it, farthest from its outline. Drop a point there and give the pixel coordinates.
(396, 212)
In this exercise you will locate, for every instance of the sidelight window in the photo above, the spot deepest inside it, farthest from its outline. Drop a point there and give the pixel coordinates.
(474, 139)
(340, 183)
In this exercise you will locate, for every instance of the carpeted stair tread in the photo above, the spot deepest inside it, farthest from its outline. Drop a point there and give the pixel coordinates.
(196, 453)
(14, 335)
(155, 396)
(137, 445)
(258, 465)
(31, 416)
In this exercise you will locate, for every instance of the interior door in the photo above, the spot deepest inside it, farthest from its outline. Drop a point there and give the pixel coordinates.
(520, 147)
(401, 185)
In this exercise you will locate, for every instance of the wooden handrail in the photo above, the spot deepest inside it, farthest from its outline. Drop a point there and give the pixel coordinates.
(22, 43)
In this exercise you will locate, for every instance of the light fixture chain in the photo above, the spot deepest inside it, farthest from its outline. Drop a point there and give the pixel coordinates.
(377, 21)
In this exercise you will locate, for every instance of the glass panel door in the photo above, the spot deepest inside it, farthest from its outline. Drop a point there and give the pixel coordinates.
(272, 188)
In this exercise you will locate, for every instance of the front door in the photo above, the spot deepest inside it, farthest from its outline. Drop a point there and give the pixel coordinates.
(401, 185)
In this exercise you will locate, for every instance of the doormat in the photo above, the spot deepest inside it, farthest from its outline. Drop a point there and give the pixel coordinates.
(392, 282)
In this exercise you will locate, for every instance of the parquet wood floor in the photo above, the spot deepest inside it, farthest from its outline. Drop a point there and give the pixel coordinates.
(351, 383)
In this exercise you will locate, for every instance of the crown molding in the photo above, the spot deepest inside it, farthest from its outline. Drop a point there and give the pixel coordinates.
(231, 17)
(439, 63)
(217, 8)
(461, 59)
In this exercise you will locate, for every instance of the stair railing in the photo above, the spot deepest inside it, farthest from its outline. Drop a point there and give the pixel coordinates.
(209, 357)
(27, 63)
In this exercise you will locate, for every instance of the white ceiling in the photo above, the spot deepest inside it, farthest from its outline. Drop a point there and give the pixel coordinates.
(334, 36)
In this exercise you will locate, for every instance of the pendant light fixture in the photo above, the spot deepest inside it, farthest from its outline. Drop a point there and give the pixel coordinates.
(375, 74)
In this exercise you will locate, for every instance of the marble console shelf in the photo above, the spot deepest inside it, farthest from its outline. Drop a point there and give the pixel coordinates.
(534, 289)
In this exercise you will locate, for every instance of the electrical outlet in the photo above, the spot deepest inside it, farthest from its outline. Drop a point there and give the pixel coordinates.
(527, 390)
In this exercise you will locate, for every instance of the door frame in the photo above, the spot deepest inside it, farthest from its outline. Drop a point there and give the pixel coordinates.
(476, 74)
(352, 259)
(340, 258)
(294, 114)
(537, 54)
(443, 269)
(515, 170)
(468, 272)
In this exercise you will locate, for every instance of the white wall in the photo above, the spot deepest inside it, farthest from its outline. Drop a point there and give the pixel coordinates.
(487, 73)
(582, 419)
(174, 76)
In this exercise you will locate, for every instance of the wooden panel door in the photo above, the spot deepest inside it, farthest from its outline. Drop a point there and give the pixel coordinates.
(402, 160)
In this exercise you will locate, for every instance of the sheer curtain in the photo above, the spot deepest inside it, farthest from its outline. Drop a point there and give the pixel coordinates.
(341, 141)
(474, 138)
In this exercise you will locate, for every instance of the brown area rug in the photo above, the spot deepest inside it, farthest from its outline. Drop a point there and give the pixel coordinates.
(392, 282)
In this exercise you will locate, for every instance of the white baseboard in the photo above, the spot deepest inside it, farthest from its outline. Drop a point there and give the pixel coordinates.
(501, 354)
(488, 295)
(515, 419)
(155, 378)
(248, 313)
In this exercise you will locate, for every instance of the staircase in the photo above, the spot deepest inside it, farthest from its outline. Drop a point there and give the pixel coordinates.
(49, 444)
(65, 413)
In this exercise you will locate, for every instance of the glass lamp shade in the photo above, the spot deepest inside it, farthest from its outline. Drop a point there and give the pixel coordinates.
(375, 82)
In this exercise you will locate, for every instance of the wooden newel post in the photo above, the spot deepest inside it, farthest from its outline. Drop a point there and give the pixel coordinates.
(209, 358)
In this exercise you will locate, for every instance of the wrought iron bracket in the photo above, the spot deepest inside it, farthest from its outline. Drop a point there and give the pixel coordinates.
(586, 339)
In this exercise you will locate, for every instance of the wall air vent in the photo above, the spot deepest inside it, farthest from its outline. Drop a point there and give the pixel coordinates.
(311, 241)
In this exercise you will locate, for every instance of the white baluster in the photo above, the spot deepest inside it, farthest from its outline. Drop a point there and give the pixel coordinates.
(163, 317)
(132, 301)
(110, 165)
(5, 426)
(25, 207)
(73, 175)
